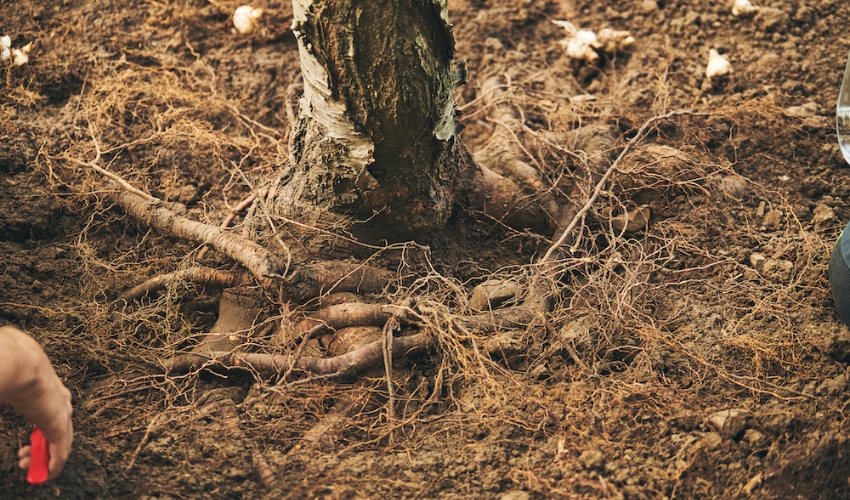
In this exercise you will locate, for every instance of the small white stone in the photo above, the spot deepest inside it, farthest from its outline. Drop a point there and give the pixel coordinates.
(717, 65)
(246, 19)
(582, 44)
(5, 41)
(21, 56)
(757, 260)
(742, 8)
(612, 41)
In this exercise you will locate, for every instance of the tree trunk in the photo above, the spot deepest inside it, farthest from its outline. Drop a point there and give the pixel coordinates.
(377, 134)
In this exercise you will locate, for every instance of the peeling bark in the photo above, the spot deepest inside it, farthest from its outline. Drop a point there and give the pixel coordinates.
(376, 137)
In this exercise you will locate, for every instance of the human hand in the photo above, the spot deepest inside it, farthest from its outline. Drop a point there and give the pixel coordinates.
(58, 449)
(29, 383)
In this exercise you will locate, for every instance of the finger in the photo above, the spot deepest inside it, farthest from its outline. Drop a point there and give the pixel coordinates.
(24, 463)
(25, 451)
(58, 457)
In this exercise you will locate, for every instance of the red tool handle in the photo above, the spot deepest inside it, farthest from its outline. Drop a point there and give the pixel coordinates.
(39, 456)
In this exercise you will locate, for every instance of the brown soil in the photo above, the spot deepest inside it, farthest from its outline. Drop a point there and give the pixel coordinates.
(615, 394)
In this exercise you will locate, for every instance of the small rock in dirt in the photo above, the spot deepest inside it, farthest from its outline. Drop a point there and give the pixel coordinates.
(730, 423)
(733, 185)
(622, 475)
(649, 6)
(712, 441)
(823, 217)
(631, 221)
(760, 209)
(769, 19)
(755, 438)
(803, 14)
(833, 386)
(772, 219)
(592, 459)
(515, 495)
(804, 111)
(757, 260)
(777, 270)
(493, 294)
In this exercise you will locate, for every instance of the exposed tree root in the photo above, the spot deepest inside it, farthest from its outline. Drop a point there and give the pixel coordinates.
(600, 184)
(303, 283)
(261, 262)
(151, 428)
(238, 315)
(341, 316)
(345, 365)
(510, 317)
(197, 275)
(308, 282)
(242, 206)
(264, 471)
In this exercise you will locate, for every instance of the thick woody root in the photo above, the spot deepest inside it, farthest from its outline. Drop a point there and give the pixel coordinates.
(257, 259)
(304, 283)
(198, 275)
(340, 316)
(345, 365)
(310, 281)
(240, 312)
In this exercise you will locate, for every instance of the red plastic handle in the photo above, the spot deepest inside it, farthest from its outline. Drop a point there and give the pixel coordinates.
(39, 456)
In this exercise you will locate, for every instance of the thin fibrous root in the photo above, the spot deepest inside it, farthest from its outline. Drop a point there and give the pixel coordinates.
(261, 262)
(600, 185)
(345, 365)
(198, 275)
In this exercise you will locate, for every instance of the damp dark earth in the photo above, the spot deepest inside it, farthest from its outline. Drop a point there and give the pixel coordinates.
(624, 295)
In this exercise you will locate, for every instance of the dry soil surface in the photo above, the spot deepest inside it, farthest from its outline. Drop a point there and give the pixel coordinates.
(696, 356)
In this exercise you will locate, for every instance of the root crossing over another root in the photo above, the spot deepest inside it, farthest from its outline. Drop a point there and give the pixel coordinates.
(339, 366)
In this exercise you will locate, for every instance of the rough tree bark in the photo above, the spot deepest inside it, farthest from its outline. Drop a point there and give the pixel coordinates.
(377, 133)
